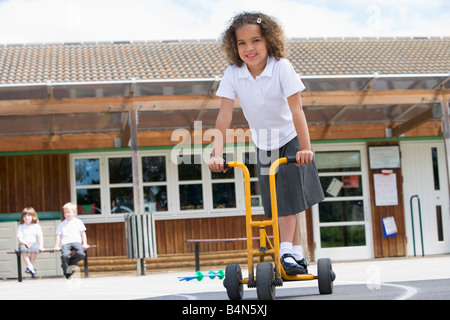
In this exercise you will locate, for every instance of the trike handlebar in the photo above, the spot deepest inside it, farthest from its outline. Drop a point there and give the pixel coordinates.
(290, 159)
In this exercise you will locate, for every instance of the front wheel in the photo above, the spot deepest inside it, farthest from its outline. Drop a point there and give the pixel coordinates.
(233, 282)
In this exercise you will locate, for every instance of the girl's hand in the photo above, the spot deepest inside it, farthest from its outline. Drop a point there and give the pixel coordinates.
(304, 157)
(215, 164)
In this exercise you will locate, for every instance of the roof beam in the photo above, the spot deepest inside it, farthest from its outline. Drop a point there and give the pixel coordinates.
(372, 98)
(368, 85)
(125, 131)
(415, 122)
(103, 140)
(445, 105)
(336, 115)
(202, 102)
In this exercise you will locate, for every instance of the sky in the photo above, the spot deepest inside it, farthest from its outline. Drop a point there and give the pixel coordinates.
(46, 21)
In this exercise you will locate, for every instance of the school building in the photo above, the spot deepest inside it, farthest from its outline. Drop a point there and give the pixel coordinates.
(124, 127)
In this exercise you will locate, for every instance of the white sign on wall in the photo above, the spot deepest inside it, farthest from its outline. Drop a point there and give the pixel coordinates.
(385, 189)
(384, 157)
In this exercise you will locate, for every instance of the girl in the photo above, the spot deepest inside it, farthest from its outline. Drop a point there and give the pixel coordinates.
(29, 234)
(268, 90)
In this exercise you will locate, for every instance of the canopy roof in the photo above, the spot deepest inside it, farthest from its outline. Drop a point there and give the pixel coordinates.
(54, 89)
(174, 113)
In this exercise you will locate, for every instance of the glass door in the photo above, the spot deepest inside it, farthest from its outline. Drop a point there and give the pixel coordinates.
(342, 228)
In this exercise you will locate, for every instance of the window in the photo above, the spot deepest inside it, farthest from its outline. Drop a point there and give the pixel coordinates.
(224, 188)
(341, 214)
(87, 186)
(190, 182)
(102, 185)
(434, 156)
(154, 176)
(120, 175)
(344, 236)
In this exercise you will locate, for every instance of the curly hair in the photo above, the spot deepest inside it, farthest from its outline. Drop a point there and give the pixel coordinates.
(271, 30)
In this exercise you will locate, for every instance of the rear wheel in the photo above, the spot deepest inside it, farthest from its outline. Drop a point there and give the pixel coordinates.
(265, 281)
(325, 276)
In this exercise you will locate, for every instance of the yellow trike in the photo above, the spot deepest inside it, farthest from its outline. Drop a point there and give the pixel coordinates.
(269, 275)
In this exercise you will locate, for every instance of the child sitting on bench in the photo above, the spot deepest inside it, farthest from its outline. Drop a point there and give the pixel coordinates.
(71, 234)
(29, 235)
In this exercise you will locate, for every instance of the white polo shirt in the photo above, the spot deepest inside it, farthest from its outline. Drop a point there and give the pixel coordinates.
(29, 233)
(70, 231)
(264, 100)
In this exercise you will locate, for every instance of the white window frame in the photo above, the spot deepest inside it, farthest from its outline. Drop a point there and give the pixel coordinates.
(157, 183)
(357, 252)
(174, 211)
(110, 185)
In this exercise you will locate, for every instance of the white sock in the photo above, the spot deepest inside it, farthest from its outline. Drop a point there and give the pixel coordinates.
(286, 247)
(31, 268)
(298, 252)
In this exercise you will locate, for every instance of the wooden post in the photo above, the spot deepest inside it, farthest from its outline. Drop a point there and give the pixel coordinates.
(133, 118)
(446, 133)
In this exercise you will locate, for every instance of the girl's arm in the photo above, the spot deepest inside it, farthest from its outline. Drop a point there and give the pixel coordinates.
(40, 237)
(23, 242)
(41, 242)
(305, 155)
(223, 122)
(20, 238)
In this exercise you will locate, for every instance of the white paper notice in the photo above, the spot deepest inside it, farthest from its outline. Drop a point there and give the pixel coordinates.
(334, 187)
(385, 189)
(390, 228)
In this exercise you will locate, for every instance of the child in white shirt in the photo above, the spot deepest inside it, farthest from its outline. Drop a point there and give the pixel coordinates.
(29, 235)
(268, 90)
(71, 234)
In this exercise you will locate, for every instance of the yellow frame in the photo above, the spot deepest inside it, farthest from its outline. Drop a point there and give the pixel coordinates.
(266, 248)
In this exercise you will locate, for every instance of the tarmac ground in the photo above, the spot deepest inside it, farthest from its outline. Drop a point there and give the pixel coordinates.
(376, 279)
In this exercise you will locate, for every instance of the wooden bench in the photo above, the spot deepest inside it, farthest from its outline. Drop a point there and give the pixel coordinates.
(17, 252)
(197, 242)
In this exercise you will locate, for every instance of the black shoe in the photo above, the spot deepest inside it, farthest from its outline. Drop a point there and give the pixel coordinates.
(33, 273)
(69, 274)
(302, 263)
(291, 268)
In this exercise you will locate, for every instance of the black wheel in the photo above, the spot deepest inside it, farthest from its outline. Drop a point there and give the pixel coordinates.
(325, 276)
(265, 281)
(233, 282)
